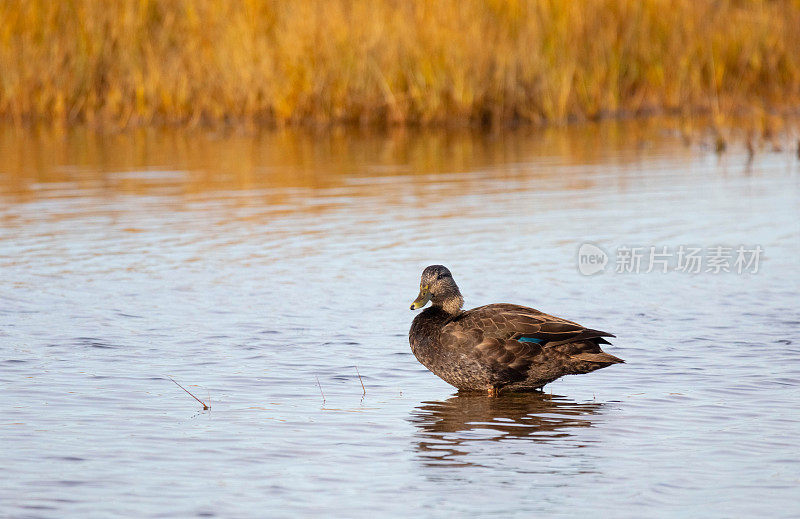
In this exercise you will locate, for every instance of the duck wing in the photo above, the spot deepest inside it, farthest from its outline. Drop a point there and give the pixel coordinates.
(507, 321)
(509, 338)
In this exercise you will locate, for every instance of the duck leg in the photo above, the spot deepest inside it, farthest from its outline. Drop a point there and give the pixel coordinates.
(492, 391)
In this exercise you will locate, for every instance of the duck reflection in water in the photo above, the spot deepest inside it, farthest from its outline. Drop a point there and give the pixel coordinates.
(452, 428)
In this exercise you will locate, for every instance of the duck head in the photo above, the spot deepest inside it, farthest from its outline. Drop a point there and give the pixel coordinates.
(438, 287)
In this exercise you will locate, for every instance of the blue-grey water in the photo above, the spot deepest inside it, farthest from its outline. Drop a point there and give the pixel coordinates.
(265, 272)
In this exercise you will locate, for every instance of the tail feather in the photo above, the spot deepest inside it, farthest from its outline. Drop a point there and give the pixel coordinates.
(599, 358)
(586, 356)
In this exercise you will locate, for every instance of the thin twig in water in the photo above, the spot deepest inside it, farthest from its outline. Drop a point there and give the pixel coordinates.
(362, 382)
(320, 390)
(180, 386)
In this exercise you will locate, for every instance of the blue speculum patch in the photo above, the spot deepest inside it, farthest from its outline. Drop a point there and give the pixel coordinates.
(530, 339)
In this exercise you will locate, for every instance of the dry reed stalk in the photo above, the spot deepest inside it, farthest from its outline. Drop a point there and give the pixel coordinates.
(205, 407)
(320, 390)
(362, 382)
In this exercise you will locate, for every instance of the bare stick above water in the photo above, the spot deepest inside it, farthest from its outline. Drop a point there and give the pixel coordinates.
(362, 382)
(320, 390)
(190, 394)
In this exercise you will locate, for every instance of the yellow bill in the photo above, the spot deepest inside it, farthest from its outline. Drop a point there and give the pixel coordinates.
(422, 299)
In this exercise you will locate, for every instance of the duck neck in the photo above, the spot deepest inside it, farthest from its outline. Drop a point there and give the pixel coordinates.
(451, 304)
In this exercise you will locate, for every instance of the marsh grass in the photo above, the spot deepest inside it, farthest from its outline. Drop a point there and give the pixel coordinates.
(489, 62)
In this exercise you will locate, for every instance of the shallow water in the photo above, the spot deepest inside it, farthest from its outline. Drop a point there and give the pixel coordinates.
(264, 273)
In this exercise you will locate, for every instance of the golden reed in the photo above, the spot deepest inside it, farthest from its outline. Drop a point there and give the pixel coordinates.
(132, 62)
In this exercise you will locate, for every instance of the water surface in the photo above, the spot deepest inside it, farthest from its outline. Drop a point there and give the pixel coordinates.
(265, 272)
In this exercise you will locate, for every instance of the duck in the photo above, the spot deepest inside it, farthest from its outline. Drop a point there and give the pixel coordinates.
(500, 347)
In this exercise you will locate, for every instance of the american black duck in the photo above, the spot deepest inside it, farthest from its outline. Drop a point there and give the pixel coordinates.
(500, 346)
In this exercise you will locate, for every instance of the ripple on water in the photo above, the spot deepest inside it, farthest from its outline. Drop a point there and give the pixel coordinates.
(263, 289)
